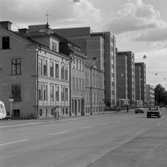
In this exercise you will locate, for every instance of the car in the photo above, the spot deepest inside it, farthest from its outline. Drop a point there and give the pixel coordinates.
(139, 110)
(154, 111)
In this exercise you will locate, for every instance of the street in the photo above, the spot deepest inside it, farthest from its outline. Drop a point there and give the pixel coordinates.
(107, 140)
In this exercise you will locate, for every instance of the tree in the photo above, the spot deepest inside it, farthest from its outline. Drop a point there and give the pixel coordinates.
(160, 95)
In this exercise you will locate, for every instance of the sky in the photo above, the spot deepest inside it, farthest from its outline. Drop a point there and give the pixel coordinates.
(139, 26)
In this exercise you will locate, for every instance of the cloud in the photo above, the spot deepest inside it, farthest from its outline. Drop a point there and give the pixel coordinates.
(135, 16)
(155, 64)
(157, 35)
(23, 12)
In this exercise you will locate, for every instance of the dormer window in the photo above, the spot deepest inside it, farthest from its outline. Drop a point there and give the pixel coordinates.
(5, 42)
(54, 46)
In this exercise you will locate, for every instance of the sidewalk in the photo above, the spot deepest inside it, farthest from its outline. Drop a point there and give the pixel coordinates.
(149, 149)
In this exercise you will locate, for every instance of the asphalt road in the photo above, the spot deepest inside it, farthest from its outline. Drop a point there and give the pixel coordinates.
(108, 140)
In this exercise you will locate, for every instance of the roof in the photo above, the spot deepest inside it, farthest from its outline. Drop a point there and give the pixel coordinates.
(92, 63)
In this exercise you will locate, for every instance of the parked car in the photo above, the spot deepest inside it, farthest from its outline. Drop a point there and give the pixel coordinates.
(154, 111)
(139, 110)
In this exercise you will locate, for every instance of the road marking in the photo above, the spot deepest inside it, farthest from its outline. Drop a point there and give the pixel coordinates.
(86, 127)
(103, 124)
(35, 123)
(17, 129)
(13, 142)
(59, 133)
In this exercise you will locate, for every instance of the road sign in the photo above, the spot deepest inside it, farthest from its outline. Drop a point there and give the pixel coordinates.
(11, 100)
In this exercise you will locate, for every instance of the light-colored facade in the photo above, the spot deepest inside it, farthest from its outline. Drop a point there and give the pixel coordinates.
(150, 94)
(102, 46)
(76, 75)
(126, 75)
(33, 72)
(94, 87)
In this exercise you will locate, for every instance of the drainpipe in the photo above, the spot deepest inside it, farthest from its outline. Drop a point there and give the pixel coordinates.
(91, 90)
(37, 103)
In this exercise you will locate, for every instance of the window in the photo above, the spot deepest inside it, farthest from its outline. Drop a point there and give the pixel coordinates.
(5, 43)
(40, 66)
(73, 63)
(82, 65)
(54, 46)
(62, 94)
(57, 92)
(16, 113)
(16, 66)
(73, 83)
(45, 92)
(51, 92)
(51, 69)
(40, 92)
(79, 64)
(66, 73)
(62, 72)
(79, 84)
(66, 94)
(16, 92)
(57, 70)
(93, 78)
(83, 84)
(45, 67)
(76, 83)
(76, 63)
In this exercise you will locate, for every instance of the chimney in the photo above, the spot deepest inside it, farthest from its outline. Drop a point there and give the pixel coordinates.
(23, 30)
(6, 24)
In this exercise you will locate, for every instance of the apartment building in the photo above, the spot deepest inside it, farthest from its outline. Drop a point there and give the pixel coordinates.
(142, 81)
(126, 76)
(33, 72)
(102, 46)
(139, 101)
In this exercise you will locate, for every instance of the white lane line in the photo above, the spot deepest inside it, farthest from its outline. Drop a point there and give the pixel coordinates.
(17, 129)
(35, 123)
(59, 133)
(13, 142)
(86, 127)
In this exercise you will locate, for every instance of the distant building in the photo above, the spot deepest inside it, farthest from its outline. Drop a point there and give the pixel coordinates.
(139, 101)
(141, 81)
(150, 94)
(122, 77)
(33, 72)
(138, 81)
(126, 76)
(101, 45)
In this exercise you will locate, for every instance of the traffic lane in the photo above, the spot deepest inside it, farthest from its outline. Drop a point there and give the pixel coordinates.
(64, 146)
(73, 146)
(148, 149)
(41, 130)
